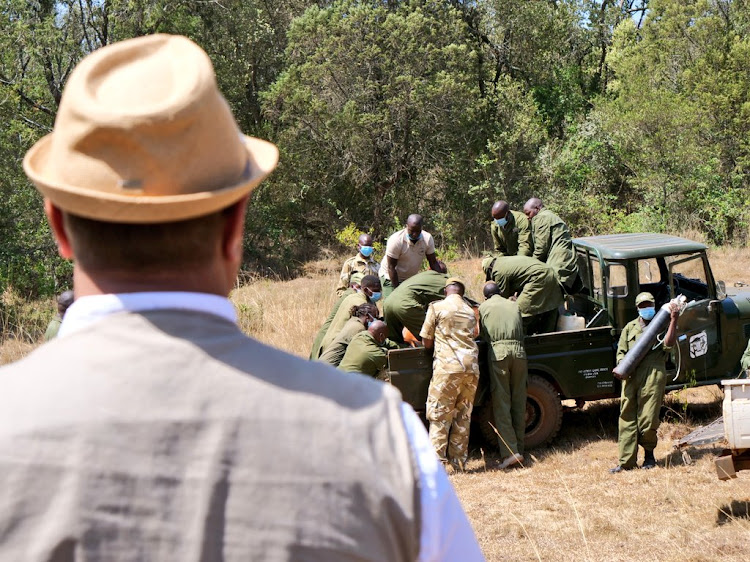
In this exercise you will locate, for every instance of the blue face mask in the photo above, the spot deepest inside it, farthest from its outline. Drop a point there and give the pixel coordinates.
(415, 239)
(375, 297)
(647, 313)
(501, 222)
(366, 251)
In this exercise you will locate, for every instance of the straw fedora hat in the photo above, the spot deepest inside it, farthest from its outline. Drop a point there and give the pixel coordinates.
(143, 135)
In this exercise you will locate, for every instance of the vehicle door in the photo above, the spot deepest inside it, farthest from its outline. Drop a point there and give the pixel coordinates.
(698, 337)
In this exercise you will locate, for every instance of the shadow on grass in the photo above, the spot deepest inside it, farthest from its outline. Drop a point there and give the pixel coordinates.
(738, 509)
(598, 421)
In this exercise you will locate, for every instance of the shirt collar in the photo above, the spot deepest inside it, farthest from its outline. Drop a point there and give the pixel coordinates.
(90, 309)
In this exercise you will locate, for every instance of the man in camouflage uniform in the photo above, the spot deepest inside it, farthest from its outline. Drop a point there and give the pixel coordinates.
(510, 230)
(501, 327)
(745, 361)
(365, 353)
(450, 327)
(643, 391)
(407, 305)
(363, 263)
(533, 284)
(553, 244)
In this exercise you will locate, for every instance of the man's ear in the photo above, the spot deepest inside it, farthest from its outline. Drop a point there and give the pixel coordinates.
(57, 223)
(234, 228)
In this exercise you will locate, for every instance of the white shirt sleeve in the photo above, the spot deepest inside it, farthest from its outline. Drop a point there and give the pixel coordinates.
(446, 532)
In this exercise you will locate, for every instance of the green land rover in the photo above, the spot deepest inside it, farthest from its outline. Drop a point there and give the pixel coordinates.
(577, 364)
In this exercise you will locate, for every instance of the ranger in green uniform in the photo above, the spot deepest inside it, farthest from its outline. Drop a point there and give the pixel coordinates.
(500, 326)
(317, 348)
(369, 292)
(553, 244)
(510, 230)
(643, 392)
(360, 320)
(535, 285)
(365, 353)
(745, 361)
(406, 307)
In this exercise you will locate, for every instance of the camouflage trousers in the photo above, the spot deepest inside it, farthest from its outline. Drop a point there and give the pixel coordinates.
(449, 404)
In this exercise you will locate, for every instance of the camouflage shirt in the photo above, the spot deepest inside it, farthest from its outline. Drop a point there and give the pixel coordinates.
(450, 323)
(357, 264)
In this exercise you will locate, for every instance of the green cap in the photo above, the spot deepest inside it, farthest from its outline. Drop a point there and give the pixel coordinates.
(644, 297)
(356, 278)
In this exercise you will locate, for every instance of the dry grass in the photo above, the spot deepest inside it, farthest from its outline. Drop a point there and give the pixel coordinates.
(563, 505)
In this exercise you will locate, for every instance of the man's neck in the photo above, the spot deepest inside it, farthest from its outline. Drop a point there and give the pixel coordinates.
(87, 283)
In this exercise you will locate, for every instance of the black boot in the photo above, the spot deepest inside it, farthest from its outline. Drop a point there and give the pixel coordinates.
(649, 461)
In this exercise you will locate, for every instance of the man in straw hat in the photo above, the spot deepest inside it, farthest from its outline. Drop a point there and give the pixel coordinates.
(164, 433)
(450, 328)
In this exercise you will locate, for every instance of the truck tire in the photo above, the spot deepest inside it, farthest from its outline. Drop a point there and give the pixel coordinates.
(543, 415)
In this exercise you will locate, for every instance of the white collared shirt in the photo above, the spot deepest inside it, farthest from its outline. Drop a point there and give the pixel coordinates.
(446, 533)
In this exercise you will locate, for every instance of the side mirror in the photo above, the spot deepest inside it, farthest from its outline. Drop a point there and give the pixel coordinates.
(721, 290)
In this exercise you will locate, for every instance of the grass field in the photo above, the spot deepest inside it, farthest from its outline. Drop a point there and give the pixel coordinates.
(563, 504)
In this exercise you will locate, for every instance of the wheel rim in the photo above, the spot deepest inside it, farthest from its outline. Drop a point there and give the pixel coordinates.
(533, 414)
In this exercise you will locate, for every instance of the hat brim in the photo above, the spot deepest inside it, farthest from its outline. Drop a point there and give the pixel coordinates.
(263, 157)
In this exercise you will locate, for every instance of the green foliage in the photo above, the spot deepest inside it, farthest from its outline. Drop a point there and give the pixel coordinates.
(372, 106)
(620, 118)
(678, 113)
(348, 237)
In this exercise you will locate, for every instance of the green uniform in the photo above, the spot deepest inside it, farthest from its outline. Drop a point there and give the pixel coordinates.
(53, 327)
(340, 318)
(501, 327)
(317, 347)
(745, 361)
(364, 355)
(539, 292)
(407, 305)
(513, 239)
(334, 353)
(554, 246)
(642, 396)
(455, 372)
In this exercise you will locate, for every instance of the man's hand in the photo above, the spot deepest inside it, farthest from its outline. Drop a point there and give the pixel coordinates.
(674, 311)
(619, 376)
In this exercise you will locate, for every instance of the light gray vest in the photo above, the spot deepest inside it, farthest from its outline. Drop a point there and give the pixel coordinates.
(171, 436)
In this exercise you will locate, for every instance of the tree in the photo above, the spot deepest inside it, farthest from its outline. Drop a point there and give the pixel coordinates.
(376, 110)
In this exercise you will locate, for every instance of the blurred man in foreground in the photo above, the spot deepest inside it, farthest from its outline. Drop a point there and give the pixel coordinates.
(152, 428)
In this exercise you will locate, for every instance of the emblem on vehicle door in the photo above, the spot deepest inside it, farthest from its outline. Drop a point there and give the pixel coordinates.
(698, 344)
